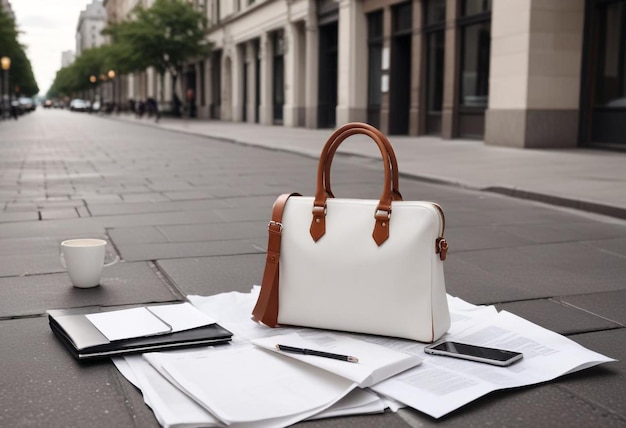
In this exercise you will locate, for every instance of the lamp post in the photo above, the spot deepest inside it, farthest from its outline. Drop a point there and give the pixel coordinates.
(93, 79)
(5, 62)
(111, 75)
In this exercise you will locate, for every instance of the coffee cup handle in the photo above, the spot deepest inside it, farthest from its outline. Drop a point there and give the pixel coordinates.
(115, 260)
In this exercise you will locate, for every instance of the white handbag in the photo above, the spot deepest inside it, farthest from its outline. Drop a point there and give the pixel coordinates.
(365, 266)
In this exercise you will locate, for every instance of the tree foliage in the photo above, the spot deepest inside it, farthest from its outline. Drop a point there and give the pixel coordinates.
(92, 62)
(164, 36)
(21, 78)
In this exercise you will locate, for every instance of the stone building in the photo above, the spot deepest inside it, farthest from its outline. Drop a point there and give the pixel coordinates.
(520, 73)
(91, 22)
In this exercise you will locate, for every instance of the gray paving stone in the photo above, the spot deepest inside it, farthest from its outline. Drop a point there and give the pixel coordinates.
(610, 306)
(614, 246)
(143, 197)
(121, 284)
(482, 238)
(557, 317)
(136, 235)
(147, 219)
(42, 385)
(206, 276)
(68, 228)
(564, 231)
(250, 213)
(31, 215)
(29, 264)
(538, 271)
(604, 385)
(175, 250)
(53, 214)
(214, 231)
(154, 207)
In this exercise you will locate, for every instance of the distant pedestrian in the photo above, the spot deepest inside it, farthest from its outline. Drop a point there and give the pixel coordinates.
(14, 111)
(141, 108)
(153, 108)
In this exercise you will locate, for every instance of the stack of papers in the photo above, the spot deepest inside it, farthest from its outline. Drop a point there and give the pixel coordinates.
(251, 383)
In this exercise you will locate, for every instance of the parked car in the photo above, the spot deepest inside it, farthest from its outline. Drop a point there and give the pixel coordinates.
(79, 105)
(26, 104)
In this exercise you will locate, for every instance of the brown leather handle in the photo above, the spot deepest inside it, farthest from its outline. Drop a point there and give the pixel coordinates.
(383, 210)
(395, 190)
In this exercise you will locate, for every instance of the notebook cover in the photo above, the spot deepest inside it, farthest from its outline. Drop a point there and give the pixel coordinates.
(84, 340)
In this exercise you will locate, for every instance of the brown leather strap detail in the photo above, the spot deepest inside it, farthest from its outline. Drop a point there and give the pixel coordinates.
(393, 163)
(266, 308)
(390, 191)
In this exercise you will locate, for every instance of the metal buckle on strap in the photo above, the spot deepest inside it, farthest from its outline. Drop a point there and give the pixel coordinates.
(382, 214)
(319, 210)
(275, 223)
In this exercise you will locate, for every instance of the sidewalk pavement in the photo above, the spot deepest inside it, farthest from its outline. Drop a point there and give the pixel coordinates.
(586, 179)
(188, 216)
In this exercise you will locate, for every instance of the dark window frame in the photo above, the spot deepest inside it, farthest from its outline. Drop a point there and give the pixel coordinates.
(462, 23)
(375, 48)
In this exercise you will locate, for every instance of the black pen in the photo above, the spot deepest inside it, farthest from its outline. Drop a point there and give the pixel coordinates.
(303, 351)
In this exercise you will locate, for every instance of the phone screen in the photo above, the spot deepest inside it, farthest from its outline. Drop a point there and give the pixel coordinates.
(476, 351)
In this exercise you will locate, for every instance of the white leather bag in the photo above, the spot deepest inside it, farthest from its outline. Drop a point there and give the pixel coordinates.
(365, 266)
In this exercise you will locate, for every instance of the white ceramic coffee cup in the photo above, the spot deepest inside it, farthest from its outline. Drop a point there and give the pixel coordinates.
(84, 260)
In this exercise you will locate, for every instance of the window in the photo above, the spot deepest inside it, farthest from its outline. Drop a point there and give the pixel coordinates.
(475, 53)
(279, 75)
(611, 74)
(475, 7)
(375, 49)
(434, 31)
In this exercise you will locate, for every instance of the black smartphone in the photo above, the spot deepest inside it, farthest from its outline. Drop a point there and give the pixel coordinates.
(498, 357)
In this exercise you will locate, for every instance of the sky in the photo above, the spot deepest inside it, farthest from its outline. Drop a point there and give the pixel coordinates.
(48, 27)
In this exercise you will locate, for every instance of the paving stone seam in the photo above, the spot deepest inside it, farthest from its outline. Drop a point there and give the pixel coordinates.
(604, 410)
(166, 279)
(572, 306)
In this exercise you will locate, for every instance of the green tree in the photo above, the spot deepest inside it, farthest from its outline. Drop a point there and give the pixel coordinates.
(92, 62)
(21, 78)
(165, 36)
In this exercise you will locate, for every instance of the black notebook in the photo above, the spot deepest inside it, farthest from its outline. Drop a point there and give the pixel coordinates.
(84, 341)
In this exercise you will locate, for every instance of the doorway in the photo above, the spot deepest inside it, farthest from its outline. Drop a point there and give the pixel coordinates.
(400, 69)
(327, 95)
(604, 86)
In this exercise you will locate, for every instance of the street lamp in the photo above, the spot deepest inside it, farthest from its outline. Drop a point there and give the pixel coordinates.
(93, 79)
(5, 62)
(111, 75)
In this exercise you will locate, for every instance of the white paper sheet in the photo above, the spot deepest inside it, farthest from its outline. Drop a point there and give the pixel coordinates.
(181, 316)
(442, 384)
(175, 409)
(128, 323)
(246, 385)
(171, 407)
(375, 363)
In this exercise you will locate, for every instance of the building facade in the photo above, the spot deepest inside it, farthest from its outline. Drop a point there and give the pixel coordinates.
(91, 22)
(6, 7)
(67, 58)
(518, 73)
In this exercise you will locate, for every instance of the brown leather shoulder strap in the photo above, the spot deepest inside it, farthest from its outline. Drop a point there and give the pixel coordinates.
(266, 308)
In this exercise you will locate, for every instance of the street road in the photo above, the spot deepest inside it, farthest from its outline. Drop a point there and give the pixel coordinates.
(188, 215)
